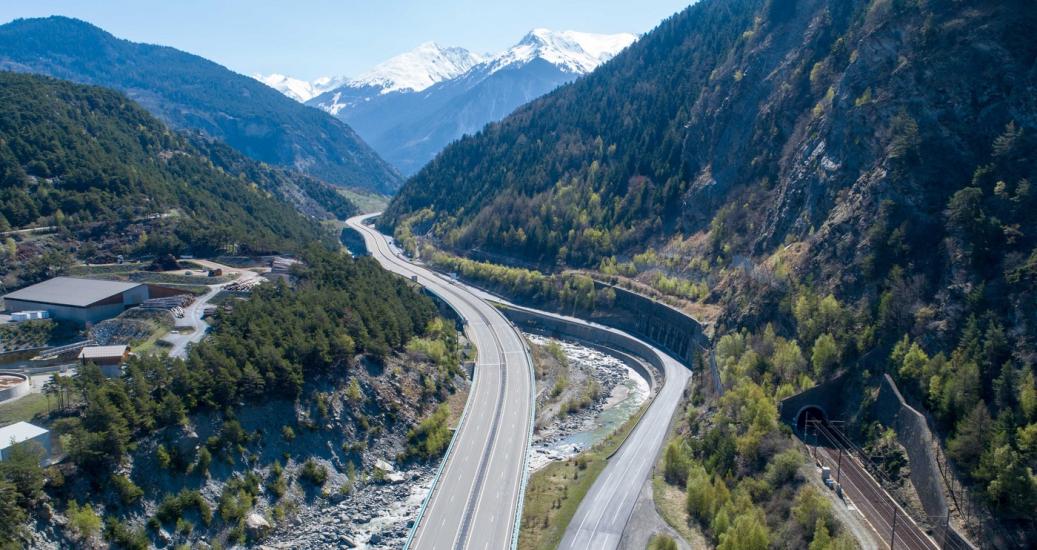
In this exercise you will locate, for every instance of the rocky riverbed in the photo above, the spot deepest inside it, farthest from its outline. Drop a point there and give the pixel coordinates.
(377, 515)
(622, 392)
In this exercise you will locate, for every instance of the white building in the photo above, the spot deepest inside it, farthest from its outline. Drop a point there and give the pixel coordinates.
(21, 433)
(30, 315)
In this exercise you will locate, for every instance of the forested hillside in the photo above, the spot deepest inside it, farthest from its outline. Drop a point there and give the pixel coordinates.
(189, 92)
(865, 162)
(282, 399)
(92, 162)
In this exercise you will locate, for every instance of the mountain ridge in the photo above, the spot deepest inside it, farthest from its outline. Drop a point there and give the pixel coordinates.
(116, 180)
(412, 105)
(191, 92)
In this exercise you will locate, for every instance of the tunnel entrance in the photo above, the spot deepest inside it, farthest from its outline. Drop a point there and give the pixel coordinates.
(809, 413)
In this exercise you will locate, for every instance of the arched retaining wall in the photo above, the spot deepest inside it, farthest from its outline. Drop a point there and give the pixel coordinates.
(598, 338)
(670, 329)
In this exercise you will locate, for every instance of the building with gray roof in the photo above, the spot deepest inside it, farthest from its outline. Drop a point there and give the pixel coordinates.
(77, 300)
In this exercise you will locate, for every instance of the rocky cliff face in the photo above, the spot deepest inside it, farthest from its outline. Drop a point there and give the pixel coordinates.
(741, 127)
(831, 108)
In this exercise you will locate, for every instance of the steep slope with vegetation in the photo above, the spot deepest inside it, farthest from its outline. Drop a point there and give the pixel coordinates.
(866, 161)
(108, 175)
(190, 92)
(271, 412)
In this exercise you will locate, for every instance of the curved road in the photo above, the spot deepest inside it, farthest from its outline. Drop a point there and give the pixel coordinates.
(603, 513)
(476, 500)
(194, 311)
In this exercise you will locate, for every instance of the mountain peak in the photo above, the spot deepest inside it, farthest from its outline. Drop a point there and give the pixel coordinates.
(572, 51)
(297, 89)
(419, 68)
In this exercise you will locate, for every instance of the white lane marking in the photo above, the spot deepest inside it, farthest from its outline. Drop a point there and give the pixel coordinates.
(503, 393)
(494, 329)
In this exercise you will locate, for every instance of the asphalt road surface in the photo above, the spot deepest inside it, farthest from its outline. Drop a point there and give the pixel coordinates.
(604, 512)
(475, 502)
(877, 507)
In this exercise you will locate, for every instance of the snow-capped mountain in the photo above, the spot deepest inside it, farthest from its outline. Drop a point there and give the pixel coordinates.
(411, 106)
(300, 90)
(418, 69)
(571, 51)
(409, 72)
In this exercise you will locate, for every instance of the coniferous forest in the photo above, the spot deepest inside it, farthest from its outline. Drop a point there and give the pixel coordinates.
(90, 162)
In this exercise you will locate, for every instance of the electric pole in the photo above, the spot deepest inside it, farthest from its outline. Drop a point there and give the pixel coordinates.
(893, 536)
(839, 468)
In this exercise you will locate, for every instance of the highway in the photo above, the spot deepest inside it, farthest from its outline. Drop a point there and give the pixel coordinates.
(603, 513)
(475, 502)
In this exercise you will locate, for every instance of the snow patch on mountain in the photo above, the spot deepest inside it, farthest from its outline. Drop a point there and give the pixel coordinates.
(418, 69)
(299, 90)
(429, 64)
(571, 51)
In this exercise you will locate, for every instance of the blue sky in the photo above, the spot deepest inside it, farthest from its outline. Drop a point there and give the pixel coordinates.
(311, 38)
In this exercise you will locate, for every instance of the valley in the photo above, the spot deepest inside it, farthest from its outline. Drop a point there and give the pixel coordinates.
(412, 105)
(722, 274)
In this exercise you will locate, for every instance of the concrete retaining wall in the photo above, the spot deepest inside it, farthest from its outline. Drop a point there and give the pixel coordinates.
(668, 328)
(17, 390)
(600, 339)
(914, 435)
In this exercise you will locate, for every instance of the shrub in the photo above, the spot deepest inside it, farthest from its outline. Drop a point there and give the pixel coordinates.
(430, 437)
(313, 472)
(122, 536)
(238, 497)
(128, 491)
(204, 459)
(173, 507)
(83, 520)
(162, 455)
(811, 506)
(276, 484)
(662, 542)
(783, 468)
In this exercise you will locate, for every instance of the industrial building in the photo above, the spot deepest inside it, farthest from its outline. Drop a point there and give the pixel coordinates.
(23, 432)
(77, 300)
(109, 358)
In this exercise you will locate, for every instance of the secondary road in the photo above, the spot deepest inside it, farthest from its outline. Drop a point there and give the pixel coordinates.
(194, 311)
(604, 512)
(476, 500)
